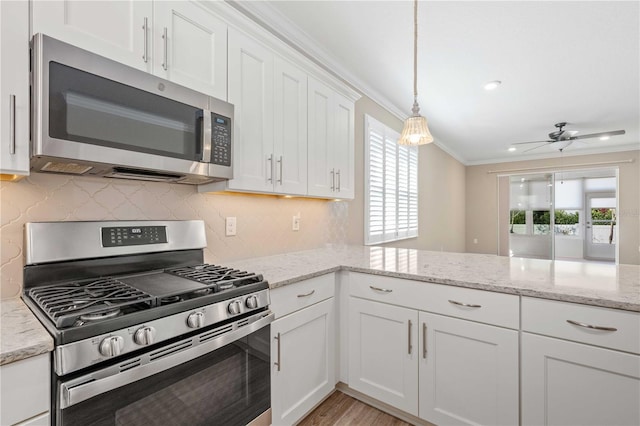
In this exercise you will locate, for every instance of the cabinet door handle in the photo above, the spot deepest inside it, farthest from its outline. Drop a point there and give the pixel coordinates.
(594, 327)
(333, 180)
(424, 340)
(409, 338)
(338, 176)
(280, 163)
(270, 169)
(307, 294)
(468, 305)
(165, 39)
(384, 290)
(145, 28)
(12, 124)
(277, 363)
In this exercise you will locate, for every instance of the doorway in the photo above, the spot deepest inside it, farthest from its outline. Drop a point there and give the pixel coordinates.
(564, 215)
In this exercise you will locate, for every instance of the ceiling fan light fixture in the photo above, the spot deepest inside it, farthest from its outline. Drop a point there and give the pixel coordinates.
(492, 85)
(415, 131)
(605, 138)
(513, 148)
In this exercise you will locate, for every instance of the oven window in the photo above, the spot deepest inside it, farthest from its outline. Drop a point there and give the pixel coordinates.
(230, 386)
(86, 108)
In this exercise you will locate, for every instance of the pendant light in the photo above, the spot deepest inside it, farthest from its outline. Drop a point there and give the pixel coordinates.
(415, 131)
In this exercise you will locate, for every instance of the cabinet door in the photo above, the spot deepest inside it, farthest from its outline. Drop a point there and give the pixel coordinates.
(566, 383)
(383, 353)
(190, 47)
(24, 389)
(321, 171)
(290, 133)
(117, 30)
(468, 372)
(251, 92)
(303, 353)
(14, 88)
(343, 146)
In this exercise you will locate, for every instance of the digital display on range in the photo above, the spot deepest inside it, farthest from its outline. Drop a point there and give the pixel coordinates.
(133, 235)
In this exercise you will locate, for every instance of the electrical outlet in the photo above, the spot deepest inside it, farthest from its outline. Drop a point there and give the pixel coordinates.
(230, 226)
(295, 224)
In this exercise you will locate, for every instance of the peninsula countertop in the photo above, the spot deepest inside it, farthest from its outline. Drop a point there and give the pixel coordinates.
(590, 283)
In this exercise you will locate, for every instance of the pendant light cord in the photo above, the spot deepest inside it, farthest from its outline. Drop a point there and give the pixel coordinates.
(415, 49)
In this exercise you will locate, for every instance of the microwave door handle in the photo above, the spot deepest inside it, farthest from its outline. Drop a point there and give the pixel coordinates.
(206, 136)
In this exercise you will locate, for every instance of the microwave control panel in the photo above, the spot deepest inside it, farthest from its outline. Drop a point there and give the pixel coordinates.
(220, 140)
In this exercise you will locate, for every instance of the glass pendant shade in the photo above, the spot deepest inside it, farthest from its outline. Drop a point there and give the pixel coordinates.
(415, 131)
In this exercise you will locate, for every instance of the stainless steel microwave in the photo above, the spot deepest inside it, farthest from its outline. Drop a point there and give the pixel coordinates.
(96, 117)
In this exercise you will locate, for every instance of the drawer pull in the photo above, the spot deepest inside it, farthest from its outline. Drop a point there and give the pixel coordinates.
(468, 305)
(384, 290)
(594, 327)
(307, 294)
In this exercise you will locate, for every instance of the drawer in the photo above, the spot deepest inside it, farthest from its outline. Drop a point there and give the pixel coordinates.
(293, 297)
(24, 389)
(549, 317)
(476, 305)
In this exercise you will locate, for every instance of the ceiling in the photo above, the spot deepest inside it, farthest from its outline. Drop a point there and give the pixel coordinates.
(573, 61)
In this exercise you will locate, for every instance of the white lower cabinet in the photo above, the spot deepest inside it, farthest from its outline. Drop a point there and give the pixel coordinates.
(24, 391)
(468, 372)
(303, 358)
(383, 353)
(567, 383)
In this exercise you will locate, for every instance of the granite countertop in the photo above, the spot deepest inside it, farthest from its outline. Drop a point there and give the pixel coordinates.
(598, 284)
(590, 283)
(21, 334)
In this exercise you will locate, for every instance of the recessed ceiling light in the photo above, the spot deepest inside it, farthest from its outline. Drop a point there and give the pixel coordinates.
(513, 148)
(604, 138)
(492, 85)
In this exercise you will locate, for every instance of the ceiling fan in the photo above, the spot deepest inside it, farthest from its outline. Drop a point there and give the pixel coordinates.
(568, 136)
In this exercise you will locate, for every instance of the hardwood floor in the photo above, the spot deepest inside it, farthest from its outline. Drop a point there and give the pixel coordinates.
(340, 409)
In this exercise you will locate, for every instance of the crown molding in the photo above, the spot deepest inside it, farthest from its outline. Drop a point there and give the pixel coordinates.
(556, 155)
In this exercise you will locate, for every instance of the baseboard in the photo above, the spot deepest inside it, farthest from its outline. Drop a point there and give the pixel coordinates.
(409, 418)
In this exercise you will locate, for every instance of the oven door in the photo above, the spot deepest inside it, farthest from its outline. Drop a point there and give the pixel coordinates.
(221, 376)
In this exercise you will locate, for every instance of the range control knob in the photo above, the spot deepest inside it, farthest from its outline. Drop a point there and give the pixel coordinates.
(195, 320)
(144, 336)
(235, 307)
(252, 302)
(111, 346)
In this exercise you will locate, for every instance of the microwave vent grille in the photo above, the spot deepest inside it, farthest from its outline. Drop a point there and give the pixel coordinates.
(69, 168)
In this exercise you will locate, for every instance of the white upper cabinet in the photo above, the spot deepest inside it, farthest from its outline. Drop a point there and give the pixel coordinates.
(331, 143)
(176, 40)
(290, 132)
(14, 88)
(190, 47)
(119, 30)
(251, 93)
(270, 99)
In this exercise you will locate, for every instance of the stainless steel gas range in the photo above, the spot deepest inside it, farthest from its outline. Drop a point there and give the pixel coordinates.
(146, 333)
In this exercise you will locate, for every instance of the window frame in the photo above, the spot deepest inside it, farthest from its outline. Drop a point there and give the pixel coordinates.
(406, 198)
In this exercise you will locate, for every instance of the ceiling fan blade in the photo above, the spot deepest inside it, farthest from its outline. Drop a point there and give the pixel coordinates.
(536, 147)
(522, 143)
(598, 135)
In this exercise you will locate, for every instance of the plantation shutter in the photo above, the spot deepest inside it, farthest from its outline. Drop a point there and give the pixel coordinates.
(391, 185)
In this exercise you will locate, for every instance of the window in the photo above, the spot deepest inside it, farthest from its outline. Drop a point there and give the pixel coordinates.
(391, 185)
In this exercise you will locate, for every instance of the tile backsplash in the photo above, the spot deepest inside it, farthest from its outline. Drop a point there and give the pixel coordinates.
(263, 222)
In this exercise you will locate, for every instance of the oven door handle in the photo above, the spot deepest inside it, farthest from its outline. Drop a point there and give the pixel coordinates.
(95, 383)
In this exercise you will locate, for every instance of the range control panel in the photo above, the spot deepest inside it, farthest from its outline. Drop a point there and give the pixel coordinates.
(220, 140)
(133, 235)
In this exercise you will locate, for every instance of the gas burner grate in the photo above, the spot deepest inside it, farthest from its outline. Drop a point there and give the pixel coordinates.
(218, 277)
(73, 303)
